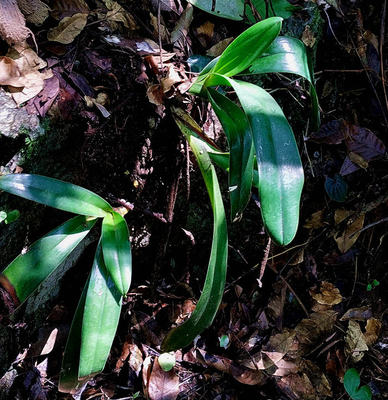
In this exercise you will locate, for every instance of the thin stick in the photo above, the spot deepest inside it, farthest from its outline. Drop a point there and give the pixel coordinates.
(160, 39)
(382, 34)
(296, 296)
(264, 262)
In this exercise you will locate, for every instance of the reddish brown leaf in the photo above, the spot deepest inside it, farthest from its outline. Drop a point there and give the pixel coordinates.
(162, 385)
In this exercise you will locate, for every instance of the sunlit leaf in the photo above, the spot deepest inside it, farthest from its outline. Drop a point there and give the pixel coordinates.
(28, 270)
(238, 133)
(117, 250)
(55, 193)
(288, 55)
(211, 296)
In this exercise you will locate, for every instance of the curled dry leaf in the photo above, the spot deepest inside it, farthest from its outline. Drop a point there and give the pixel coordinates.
(182, 26)
(346, 238)
(12, 23)
(357, 314)
(10, 73)
(327, 294)
(68, 29)
(372, 331)
(35, 11)
(171, 79)
(162, 385)
(355, 344)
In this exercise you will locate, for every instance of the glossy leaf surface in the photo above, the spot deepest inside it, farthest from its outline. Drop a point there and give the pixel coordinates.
(230, 9)
(279, 166)
(238, 133)
(100, 318)
(247, 47)
(213, 289)
(55, 193)
(280, 8)
(28, 270)
(117, 250)
(288, 55)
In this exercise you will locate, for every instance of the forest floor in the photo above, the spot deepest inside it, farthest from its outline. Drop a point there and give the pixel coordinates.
(293, 319)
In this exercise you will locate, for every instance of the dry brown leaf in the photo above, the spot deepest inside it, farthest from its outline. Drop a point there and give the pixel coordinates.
(328, 294)
(299, 258)
(182, 26)
(155, 94)
(67, 8)
(205, 33)
(348, 237)
(10, 73)
(308, 37)
(68, 28)
(315, 221)
(316, 377)
(135, 358)
(355, 344)
(219, 47)
(146, 374)
(35, 11)
(117, 13)
(358, 160)
(163, 385)
(372, 331)
(171, 79)
(358, 314)
(159, 29)
(12, 23)
(298, 387)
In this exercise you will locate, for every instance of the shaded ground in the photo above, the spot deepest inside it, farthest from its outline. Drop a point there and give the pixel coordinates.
(292, 337)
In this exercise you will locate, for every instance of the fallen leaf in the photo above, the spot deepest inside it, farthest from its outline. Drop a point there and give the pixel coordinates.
(117, 13)
(165, 5)
(159, 29)
(155, 94)
(181, 29)
(372, 331)
(10, 73)
(357, 314)
(315, 221)
(355, 344)
(219, 47)
(327, 294)
(35, 11)
(331, 133)
(68, 29)
(308, 37)
(205, 33)
(67, 8)
(358, 160)
(297, 387)
(171, 79)
(162, 385)
(346, 239)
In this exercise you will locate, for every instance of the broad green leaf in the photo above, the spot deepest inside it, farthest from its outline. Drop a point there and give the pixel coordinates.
(68, 379)
(213, 289)
(55, 193)
(117, 250)
(28, 270)
(352, 383)
(100, 318)
(279, 8)
(197, 86)
(230, 9)
(278, 162)
(238, 133)
(247, 47)
(288, 55)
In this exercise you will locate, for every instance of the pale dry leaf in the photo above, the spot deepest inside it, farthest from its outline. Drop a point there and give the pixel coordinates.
(146, 374)
(355, 344)
(308, 37)
(346, 239)
(12, 23)
(182, 26)
(68, 29)
(117, 13)
(357, 314)
(171, 79)
(315, 221)
(327, 294)
(298, 387)
(219, 47)
(10, 73)
(372, 331)
(163, 385)
(35, 11)
(135, 358)
(358, 160)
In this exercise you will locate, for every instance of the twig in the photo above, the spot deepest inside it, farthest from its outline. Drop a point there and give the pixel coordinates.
(160, 39)
(382, 34)
(264, 262)
(369, 226)
(305, 148)
(296, 296)
(355, 279)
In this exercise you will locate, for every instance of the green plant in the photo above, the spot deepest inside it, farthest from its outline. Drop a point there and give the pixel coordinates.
(262, 152)
(372, 285)
(88, 345)
(353, 388)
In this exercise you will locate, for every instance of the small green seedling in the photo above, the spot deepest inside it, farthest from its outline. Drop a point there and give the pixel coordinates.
(167, 361)
(224, 341)
(353, 388)
(9, 217)
(372, 285)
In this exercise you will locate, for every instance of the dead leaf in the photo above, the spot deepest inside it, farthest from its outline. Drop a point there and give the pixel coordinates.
(357, 314)
(355, 344)
(205, 33)
(165, 5)
(219, 47)
(163, 385)
(68, 29)
(12, 23)
(358, 160)
(171, 79)
(308, 37)
(181, 29)
(328, 294)
(331, 133)
(35, 11)
(373, 328)
(159, 29)
(315, 221)
(146, 374)
(10, 73)
(346, 239)
(297, 387)
(117, 13)
(135, 358)
(67, 8)
(155, 94)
